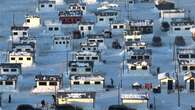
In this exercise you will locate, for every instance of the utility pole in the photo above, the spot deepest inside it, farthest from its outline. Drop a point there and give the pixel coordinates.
(177, 76)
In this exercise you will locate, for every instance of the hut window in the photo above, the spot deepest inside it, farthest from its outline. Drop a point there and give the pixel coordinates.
(114, 27)
(88, 69)
(19, 49)
(87, 58)
(1, 82)
(192, 67)
(24, 33)
(111, 19)
(121, 26)
(187, 28)
(56, 28)
(83, 8)
(64, 42)
(192, 55)
(101, 19)
(5, 70)
(184, 56)
(146, 57)
(27, 50)
(87, 82)
(56, 42)
(184, 68)
(20, 58)
(133, 68)
(137, 39)
(67, 42)
(89, 28)
(80, 58)
(53, 83)
(100, 41)
(97, 82)
(9, 83)
(28, 20)
(144, 67)
(42, 6)
(73, 69)
(89, 48)
(50, 29)
(13, 70)
(50, 5)
(140, 57)
(12, 58)
(133, 57)
(94, 58)
(15, 33)
(83, 48)
(81, 28)
(76, 83)
(177, 29)
(28, 58)
(42, 83)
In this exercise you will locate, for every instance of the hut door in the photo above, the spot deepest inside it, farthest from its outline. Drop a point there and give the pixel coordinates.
(191, 84)
(170, 84)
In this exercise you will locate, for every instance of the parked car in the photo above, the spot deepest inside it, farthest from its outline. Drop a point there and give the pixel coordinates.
(25, 107)
(119, 107)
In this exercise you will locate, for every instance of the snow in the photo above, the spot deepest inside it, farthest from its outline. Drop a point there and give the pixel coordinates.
(55, 62)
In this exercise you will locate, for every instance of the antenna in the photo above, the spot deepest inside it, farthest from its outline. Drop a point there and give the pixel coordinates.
(13, 19)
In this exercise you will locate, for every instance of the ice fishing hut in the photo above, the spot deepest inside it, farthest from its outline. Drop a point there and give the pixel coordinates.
(104, 18)
(47, 83)
(78, 6)
(132, 35)
(25, 58)
(28, 40)
(8, 83)
(87, 56)
(181, 26)
(88, 46)
(73, 98)
(134, 98)
(46, 6)
(62, 43)
(70, 18)
(17, 32)
(87, 82)
(95, 38)
(86, 28)
(80, 67)
(89, 1)
(135, 45)
(118, 27)
(25, 47)
(144, 26)
(139, 61)
(32, 21)
(167, 15)
(58, 2)
(189, 79)
(167, 82)
(186, 59)
(10, 68)
(53, 28)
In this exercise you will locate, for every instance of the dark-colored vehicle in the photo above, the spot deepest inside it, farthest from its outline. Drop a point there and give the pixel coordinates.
(156, 41)
(25, 107)
(67, 107)
(179, 41)
(119, 107)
